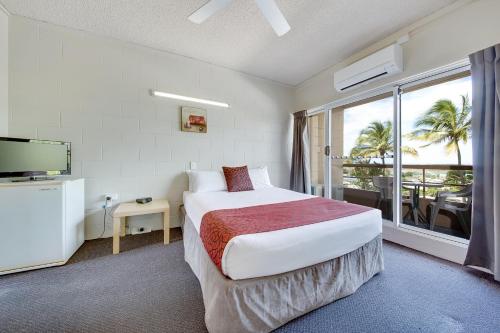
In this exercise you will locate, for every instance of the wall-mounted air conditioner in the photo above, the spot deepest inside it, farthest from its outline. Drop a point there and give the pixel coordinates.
(381, 64)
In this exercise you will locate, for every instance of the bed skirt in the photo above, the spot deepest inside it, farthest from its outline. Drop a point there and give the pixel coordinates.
(266, 303)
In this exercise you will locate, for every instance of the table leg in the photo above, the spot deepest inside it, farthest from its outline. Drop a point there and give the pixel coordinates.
(116, 235)
(416, 204)
(123, 225)
(166, 227)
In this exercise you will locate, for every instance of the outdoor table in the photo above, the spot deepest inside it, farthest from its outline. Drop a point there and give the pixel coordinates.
(416, 196)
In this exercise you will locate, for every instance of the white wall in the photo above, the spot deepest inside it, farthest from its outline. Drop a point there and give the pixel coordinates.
(93, 91)
(4, 71)
(443, 38)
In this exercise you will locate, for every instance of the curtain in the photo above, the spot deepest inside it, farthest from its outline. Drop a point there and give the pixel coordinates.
(484, 246)
(300, 177)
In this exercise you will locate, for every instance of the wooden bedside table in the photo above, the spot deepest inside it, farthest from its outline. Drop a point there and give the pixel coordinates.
(127, 209)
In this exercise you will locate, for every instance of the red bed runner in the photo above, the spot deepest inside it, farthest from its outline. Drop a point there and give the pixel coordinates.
(218, 227)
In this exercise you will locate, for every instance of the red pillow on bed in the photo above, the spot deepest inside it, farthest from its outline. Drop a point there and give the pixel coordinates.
(237, 179)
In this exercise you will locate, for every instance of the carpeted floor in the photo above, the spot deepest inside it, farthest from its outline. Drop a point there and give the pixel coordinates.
(149, 288)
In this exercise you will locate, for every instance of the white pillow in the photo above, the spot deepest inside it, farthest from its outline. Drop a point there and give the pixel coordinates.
(206, 181)
(260, 177)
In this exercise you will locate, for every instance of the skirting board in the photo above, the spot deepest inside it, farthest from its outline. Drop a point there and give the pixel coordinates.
(435, 246)
(29, 268)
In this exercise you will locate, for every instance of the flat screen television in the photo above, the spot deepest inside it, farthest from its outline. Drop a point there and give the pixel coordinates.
(32, 157)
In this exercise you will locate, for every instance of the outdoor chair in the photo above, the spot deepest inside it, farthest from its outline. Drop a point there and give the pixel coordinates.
(460, 210)
(385, 186)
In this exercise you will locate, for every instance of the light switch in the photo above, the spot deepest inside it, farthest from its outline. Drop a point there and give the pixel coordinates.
(192, 165)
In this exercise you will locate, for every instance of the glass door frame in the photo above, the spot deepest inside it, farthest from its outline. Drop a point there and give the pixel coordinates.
(397, 211)
(327, 176)
(397, 88)
(327, 136)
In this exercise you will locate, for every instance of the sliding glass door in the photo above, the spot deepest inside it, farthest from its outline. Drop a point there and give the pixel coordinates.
(316, 132)
(437, 155)
(362, 153)
(405, 150)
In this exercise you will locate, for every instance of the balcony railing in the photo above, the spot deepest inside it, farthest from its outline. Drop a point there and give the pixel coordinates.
(357, 187)
(423, 172)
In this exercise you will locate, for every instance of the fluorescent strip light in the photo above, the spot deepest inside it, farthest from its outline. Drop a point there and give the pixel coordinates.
(189, 99)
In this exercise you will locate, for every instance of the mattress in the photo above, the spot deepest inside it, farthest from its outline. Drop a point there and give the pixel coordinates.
(275, 252)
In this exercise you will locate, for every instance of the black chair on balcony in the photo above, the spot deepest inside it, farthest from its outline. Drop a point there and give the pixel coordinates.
(459, 209)
(385, 187)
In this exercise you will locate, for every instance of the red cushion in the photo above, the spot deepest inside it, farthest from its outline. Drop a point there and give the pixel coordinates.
(237, 179)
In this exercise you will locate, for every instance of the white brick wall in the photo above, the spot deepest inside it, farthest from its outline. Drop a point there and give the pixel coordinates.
(93, 91)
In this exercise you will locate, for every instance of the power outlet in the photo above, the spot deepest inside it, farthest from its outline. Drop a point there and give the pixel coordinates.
(109, 198)
(139, 230)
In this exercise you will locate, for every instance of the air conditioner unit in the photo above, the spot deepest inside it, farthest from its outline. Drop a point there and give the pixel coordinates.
(381, 64)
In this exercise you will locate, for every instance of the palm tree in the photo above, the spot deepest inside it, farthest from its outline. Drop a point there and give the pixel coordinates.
(445, 123)
(377, 140)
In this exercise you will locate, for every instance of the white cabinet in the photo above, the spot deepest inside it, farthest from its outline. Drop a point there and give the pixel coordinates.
(41, 223)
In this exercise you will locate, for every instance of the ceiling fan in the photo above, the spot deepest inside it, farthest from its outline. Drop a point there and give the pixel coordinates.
(268, 7)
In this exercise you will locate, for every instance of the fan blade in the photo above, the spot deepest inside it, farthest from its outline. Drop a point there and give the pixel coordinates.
(207, 10)
(273, 14)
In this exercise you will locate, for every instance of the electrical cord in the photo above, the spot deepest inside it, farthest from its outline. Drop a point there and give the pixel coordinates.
(103, 221)
(105, 207)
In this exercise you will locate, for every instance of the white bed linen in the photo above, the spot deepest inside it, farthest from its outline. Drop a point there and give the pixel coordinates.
(274, 252)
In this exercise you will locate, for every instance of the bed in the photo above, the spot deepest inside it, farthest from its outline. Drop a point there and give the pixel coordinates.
(266, 279)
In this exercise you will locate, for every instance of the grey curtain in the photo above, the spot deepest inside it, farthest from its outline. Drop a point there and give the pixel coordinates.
(484, 246)
(300, 177)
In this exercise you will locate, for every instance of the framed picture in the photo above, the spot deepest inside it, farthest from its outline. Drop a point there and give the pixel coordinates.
(193, 119)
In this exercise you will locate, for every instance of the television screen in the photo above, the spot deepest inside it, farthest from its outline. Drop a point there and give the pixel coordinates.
(30, 157)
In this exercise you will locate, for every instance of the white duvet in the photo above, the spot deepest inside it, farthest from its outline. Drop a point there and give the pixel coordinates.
(274, 252)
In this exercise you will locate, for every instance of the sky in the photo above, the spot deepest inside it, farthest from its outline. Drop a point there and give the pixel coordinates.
(413, 105)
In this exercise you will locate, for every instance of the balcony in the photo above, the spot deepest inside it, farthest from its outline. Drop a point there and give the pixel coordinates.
(422, 184)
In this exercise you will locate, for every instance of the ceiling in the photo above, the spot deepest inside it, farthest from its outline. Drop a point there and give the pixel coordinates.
(324, 32)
